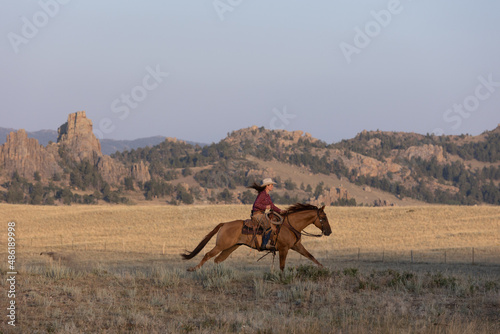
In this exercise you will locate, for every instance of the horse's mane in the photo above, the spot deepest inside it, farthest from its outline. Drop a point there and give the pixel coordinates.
(298, 207)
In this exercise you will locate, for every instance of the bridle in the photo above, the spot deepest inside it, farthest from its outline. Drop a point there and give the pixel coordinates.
(307, 234)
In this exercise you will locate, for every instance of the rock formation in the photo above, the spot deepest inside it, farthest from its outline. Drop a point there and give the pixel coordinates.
(26, 156)
(426, 152)
(78, 139)
(331, 195)
(140, 172)
(371, 167)
(78, 143)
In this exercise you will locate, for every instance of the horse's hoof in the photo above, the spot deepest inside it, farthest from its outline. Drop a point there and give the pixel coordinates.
(191, 269)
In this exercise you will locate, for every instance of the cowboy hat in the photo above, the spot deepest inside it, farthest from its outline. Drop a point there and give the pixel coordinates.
(267, 181)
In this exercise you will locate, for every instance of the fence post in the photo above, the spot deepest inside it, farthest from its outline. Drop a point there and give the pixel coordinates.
(359, 251)
(411, 252)
(472, 255)
(445, 257)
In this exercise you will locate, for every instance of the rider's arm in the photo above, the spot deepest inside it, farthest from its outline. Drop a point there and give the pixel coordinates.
(275, 208)
(271, 204)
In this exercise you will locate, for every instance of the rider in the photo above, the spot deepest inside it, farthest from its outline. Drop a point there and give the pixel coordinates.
(262, 203)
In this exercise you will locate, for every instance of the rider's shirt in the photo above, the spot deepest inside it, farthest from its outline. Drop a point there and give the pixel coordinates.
(262, 201)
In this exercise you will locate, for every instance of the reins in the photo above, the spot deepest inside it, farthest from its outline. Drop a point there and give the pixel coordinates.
(304, 233)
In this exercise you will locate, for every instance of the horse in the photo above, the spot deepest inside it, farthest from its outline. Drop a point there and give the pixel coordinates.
(295, 219)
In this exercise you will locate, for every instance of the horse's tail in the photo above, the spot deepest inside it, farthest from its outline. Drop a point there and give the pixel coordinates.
(189, 255)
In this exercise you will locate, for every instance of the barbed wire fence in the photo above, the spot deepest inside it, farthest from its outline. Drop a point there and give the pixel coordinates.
(457, 255)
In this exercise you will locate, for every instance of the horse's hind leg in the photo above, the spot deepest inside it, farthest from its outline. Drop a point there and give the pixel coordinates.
(216, 250)
(225, 253)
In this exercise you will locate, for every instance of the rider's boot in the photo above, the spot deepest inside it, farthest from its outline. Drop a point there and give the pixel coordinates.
(271, 244)
(266, 240)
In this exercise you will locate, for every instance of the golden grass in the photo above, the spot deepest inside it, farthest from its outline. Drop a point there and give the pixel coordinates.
(124, 282)
(172, 229)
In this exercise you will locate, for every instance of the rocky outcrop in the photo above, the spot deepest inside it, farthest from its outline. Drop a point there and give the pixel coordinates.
(80, 144)
(111, 170)
(426, 152)
(140, 172)
(379, 202)
(371, 167)
(26, 156)
(78, 139)
(259, 136)
(76, 142)
(331, 196)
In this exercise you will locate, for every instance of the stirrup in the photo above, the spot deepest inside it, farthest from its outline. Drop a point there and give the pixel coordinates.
(268, 247)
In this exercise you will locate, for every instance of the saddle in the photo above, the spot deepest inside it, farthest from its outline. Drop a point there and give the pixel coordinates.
(251, 227)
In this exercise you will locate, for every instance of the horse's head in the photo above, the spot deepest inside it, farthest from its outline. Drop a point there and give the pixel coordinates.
(322, 223)
(308, 214)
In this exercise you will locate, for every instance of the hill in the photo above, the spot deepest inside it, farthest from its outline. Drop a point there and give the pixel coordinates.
(374, 168)
(424, 168)
(439, 169)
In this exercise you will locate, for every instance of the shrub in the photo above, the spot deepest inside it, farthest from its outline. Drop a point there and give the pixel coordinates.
(216, 277)
(313, 273)
(353, 272)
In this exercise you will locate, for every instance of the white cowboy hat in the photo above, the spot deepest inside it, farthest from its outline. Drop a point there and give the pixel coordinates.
(267, 181)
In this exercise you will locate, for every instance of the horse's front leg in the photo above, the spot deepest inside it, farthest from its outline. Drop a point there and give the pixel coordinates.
(283, 253)
(299, 248)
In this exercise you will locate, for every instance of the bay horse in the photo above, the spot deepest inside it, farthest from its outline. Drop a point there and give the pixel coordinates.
(295, 219)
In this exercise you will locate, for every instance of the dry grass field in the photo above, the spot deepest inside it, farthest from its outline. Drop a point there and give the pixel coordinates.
(115, 269)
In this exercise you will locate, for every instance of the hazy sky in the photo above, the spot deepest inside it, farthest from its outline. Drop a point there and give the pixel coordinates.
(197, 70)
